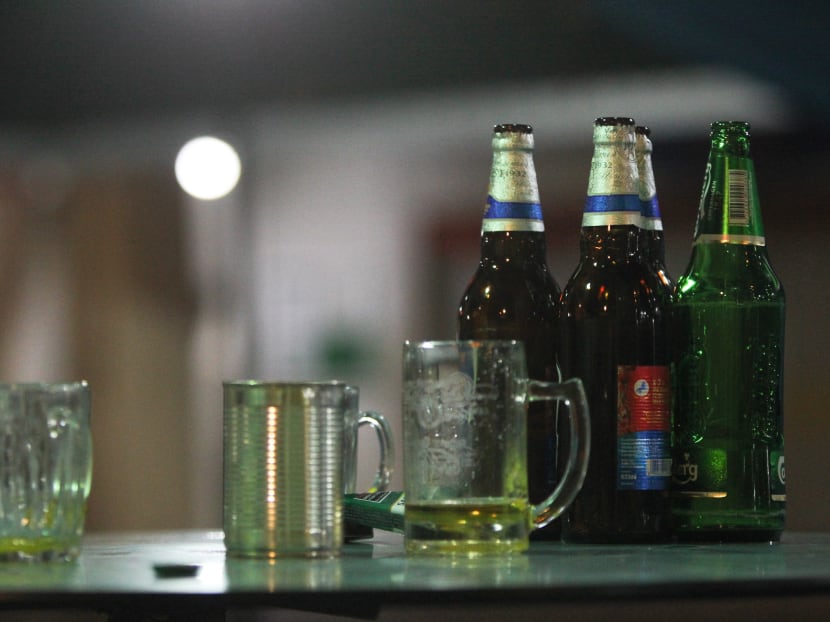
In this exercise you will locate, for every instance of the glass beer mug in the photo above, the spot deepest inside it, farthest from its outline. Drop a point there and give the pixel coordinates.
(465, 447)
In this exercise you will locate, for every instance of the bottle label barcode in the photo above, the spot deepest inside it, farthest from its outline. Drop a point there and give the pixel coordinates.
(660, 467)
(738, 197)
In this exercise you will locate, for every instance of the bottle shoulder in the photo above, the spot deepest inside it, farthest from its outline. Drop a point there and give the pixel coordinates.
(735, 272)
(515, 246)
(597, 289)
(620, 273)
(497, 283)
(508, 304)
(512, 294)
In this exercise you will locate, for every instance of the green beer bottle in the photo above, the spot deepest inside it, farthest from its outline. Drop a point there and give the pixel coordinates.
(513, 294)
(728, 353)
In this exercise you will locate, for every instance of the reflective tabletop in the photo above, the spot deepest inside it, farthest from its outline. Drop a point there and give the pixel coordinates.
(187, 571)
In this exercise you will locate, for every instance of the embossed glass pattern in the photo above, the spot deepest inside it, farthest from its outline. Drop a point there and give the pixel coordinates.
(728, 350)
(465, 447)
(45, 470)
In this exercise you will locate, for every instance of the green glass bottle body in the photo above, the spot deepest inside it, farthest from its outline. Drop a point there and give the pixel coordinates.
(728, 479)
(614, 336)
(513, 295)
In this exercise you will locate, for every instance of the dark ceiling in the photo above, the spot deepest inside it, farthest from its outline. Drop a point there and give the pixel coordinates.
(63, 62)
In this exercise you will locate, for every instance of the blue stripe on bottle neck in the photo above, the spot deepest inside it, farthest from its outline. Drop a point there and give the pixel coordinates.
(650, 208)
(511, 210)
(612, 203)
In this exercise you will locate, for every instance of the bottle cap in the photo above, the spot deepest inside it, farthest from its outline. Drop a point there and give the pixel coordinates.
(613, 121)
(517, 128)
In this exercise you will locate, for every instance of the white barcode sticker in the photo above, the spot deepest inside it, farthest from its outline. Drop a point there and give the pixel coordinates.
(738, 197)
(658, 467)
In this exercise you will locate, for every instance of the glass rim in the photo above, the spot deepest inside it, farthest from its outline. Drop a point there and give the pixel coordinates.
(64, 385)
(287, 384)
(449, 343)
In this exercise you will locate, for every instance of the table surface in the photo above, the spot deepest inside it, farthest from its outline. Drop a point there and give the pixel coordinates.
(149, 570)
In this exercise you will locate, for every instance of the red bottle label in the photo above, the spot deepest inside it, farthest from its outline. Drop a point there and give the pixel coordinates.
(643, 427)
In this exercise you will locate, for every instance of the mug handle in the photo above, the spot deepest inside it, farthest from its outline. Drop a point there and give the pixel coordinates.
(387, 452)
(572, 393)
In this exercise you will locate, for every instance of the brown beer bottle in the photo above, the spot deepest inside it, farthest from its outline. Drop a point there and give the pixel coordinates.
(614, 336)
(654, 246)
(513, 295)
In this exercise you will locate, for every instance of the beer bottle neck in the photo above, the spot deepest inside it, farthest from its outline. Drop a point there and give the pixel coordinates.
(513, 195)
(729, 211)
(613, 195)
(611, 220)
(605, 245)
(649, 207)
(654, 246)
(520, 247)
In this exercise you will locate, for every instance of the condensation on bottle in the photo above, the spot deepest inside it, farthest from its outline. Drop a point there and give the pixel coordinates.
(728, 479)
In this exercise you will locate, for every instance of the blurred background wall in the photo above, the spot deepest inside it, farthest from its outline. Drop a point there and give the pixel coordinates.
(363, 129)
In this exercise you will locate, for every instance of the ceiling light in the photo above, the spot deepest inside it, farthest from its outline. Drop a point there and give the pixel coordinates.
(207, 168)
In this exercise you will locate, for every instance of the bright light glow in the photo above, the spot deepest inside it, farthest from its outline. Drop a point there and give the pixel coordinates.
(207, 168)
(272, 417)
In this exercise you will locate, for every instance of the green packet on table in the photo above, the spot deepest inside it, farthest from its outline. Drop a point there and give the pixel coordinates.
(379, 510)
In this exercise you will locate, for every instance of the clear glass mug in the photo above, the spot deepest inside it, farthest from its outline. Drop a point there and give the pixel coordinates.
(45, 469)
(290, 454)
(465, 447)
